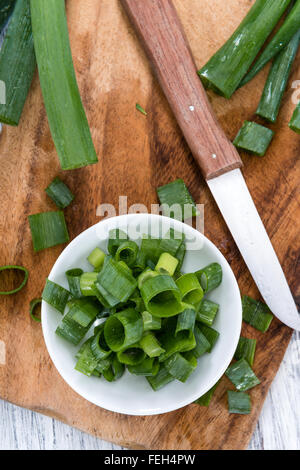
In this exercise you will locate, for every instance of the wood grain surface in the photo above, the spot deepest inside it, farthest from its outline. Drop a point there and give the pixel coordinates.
(136, 154)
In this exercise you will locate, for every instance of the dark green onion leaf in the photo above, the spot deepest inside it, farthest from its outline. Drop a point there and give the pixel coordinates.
(127, 252)
(207, 397)
(246, 350)
(253, 138)
(23, 283)
(148, 368)
(239, 403)
(87, 362)
(48, 229)
(184, 341)
(186, 320)
(242, 376)
(180, 366)
(74, 276)
(161, 379)
(256, 313)
(161, 296)
(131, 356)
(210, 334)
(55, 295)
(33, 305)
(210, 277)
(99, 345)
(116, 238)
(123, 329)
(176, 200)
(202, 344)
(140, 109)
(60, 193)
(116, 280)
(115, 371)
(207, 311)
(72, 326)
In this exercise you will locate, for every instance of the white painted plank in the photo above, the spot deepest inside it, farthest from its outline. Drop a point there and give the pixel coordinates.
(278, 427)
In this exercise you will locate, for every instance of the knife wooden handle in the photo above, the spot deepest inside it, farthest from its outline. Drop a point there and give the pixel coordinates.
(162, 35)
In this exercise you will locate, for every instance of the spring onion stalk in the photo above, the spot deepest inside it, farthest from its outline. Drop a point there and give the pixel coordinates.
(275, 86)
(72, 328)
(32, 307)
(186, 321)
(140, 109)
(68, 123)
(123, 329)
(190, 288)
(161, 379)
(73, 276)
(253, 138)
(131, 356)
(127, 252)
(96, 258)
(176, 201)
(161, 296)
(207, 311)
(115, 371)
(55, 295)
(277, 43)
(99, 346)
(48, 229)
(116, 238)
(239, 402)
(227, 67)
(256, 313)
(210, 334)
(202, 344)
(210, 277)
(207, 397)
(166, 264)
(23, 283)
(116, 280)
(246, 350)
(59, 192)
(294, 123)
(181, 367)
(242, 376)
(6, 8)
(17, 63)
(150, 322)
(150, 345)
(148, 368)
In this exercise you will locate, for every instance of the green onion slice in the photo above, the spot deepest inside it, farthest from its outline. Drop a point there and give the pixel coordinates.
(115, 371)
(99, 345)
(127, 252)
(161, 296)
(202, 343)
(256, 313)
(48, 229)
(148, 368)
(96, 258)
(180, 366)
(242, 376)
(55, 295)
(87, 284)
(176, 200)
(190, 288)
(186, 321)
(78, 320)
(116, 238)
(131, 356)
(123, 329)
(23, 283)
(166, 264)
(246, 350)
(210, 334)
(253, 138)
(207, 311)
(239, 402)
(184, 341)
(150, 322)
(74, 276)
(87, 362)
(60, 193)
(150, 345)
(210, 277)
(161, 379)
(116, 280)
(33, 305)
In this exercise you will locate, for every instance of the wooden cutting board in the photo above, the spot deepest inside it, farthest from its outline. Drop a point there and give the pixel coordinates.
(137, 154)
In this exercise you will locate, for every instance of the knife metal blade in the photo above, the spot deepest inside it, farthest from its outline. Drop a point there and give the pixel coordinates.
(237, 207)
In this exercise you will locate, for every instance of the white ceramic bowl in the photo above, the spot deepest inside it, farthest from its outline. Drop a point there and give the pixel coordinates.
(132, 395)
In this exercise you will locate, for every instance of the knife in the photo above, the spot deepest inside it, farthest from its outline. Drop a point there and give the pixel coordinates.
(159, 28)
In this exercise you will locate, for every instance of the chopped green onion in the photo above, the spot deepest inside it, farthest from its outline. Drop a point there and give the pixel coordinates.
(294, 123)
(176, 200)
(140, 109)
(33, 304)
(149, 249)
(161, 296)
(207, 397)
(180, 367)
(99, 345)
(277, 43)
(161, 379)
(84, 311)
(207, 312)
(116, 280)
(87, 362)
(60, 193)
(127, 252)
(275, 86)
(210, 334)
(17, 63)
(166, 264)
(116, 238)
(253, 138)
(202, 344)
(115, 371)
(170, 243)
(210, 277)
(74, 276)
(68, 123)
(246, 350)
(190, 288)
(256, 313)
(186, 321)
(96, 258)
(226, 68)
(148, 368)
(71, 327)
(55, 295)
(180, 256)
(150, 322)
(150, 345)
(239, 403)
(242, 376)
(23, 283)
(123, 329)
(145, 275)
(106, 299)
(132, 356)
(182, 342)
(48, 229)
(87, 284)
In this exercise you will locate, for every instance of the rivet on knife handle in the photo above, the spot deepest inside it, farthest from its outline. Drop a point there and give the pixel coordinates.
(161, 32)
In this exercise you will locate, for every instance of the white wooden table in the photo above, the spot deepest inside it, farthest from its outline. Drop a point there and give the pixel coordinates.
(277, 429)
